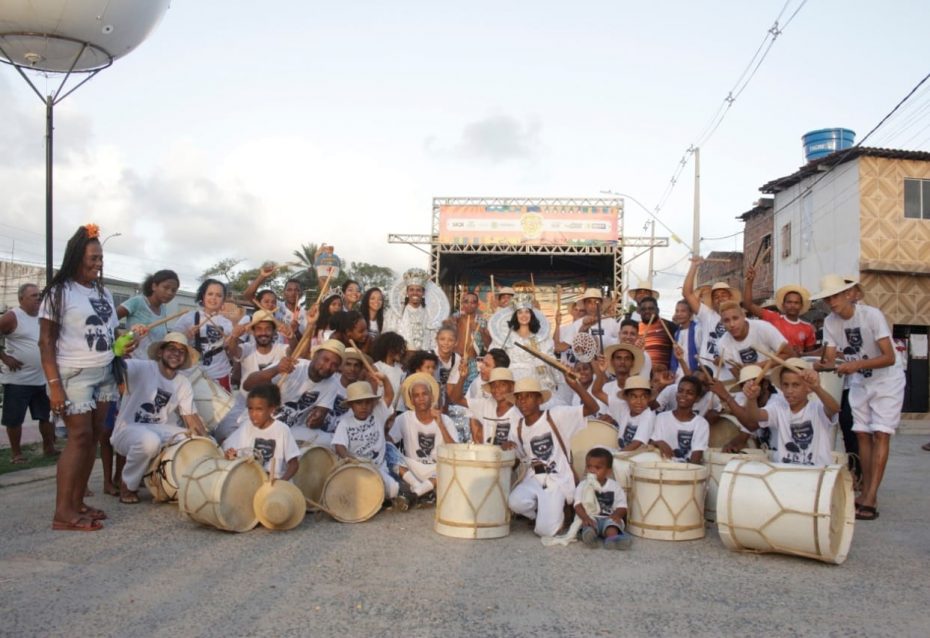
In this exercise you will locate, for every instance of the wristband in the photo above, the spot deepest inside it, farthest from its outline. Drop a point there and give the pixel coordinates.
(55, 380)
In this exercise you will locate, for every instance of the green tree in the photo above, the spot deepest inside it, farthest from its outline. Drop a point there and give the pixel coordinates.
(224, 269)
(371, 275)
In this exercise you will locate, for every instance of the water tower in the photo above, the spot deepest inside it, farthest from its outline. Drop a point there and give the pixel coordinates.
(70, 39)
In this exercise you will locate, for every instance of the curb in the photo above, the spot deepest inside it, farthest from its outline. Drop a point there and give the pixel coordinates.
(31, 475)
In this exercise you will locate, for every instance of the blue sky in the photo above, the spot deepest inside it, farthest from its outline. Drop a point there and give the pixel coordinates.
(238, 130)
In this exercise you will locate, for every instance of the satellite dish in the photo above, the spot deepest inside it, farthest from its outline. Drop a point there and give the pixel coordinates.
(78, 35)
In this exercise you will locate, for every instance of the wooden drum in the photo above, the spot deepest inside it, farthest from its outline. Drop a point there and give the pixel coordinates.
(472, 487)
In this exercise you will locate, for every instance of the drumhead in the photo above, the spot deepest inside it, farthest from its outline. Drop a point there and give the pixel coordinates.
(188, 454)
(353, 492)
(316, 463)
(595, 433)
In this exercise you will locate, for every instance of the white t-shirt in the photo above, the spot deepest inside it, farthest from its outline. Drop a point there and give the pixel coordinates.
(684, 437)
(610, 328)
(537, 442)
(744, 351)
(88, 321)
(363, 439)
(285, 315)
(857, 338)
(636, 428)
(767, 437)
(420, 440)
(152, 397)
(668, 400)
(213, 333)
(576, 400)
(495, 429)
(300, 394)
(254, 361)
(395, 375)
(274, 442)
(609, 496)
(340, 406)
(23, 345)
(803, 437)
(711, 329)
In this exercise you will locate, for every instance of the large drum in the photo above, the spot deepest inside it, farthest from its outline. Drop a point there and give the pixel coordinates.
(164, 475)
(220, 493)
(353, 492)
(716, 461)
(724, 429)
(472, 488)
(211, 400)
(668, 501)
(790, 509)
(594, 434)
(624, 461)
(316, 463)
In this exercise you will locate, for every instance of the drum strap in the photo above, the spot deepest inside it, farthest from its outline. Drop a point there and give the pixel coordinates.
(558, 437)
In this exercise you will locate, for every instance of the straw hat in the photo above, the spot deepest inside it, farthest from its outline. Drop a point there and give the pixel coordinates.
(592, 293)
(799, 289)
(260, 316)
(641, 285)
(528, 384)
(506, 290)
(355, 355)
(636, 382)
(708, 294)
(747, 373)
(794, 361)
(332, 345)
(497, 374)
(279, 505)
(359, 391)
(639, 357)
(415, 379)
(832, 284)
(175, 337)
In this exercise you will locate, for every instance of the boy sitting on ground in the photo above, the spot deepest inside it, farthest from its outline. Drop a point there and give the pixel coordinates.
(607, 523)
(264, 434)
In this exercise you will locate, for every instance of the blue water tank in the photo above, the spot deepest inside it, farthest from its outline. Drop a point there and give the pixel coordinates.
(822, 142)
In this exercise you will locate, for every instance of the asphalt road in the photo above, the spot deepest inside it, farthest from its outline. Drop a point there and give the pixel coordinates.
(153, 573)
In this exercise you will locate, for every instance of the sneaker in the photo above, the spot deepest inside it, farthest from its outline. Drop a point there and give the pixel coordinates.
(589, 536)
(618, 541)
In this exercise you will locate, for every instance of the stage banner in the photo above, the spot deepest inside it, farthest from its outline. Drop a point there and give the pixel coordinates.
(533, 224)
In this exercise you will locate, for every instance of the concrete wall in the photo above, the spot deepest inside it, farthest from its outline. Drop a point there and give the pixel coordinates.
(824, 235)
(758, 225)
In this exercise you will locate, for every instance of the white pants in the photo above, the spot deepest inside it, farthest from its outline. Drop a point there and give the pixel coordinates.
(230, 423)
(545, 505)
(423, 471)
(313, 436)
(140, 443)
(876, 402)
(391, 486)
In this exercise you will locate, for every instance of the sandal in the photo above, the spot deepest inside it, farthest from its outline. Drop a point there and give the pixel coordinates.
(129, 498)
(78, 524)
(866, 513)
(925, 447)
(19, 460)
(92, 513)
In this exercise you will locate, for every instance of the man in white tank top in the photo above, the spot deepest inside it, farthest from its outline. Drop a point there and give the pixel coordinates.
(22, 376)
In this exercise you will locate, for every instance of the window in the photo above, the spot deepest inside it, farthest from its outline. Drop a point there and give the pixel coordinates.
(786, 241)
(767, 249)
(917, 198)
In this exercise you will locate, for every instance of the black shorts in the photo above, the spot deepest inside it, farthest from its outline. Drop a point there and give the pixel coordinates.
(16, 398)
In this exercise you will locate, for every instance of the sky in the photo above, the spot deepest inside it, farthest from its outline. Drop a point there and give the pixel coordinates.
(243, 129)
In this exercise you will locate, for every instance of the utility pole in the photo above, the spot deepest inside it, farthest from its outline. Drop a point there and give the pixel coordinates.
(652, 248)
(696, 227)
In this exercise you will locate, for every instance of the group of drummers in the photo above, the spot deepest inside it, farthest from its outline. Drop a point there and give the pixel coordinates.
(386, 377)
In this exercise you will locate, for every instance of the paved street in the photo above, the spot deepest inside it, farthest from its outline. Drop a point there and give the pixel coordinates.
(153, 573)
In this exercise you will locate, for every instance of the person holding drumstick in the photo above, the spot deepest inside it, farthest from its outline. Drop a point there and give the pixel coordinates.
(211, 333)
(77, 323)
(680, 434)
(158, 290)
(792, 301)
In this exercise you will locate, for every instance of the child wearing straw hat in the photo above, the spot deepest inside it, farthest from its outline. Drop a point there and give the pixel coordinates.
(680, 434)
(734, 401)
(264, 436)
(493, 420)
(804, 429)
(665, 391)
(156, 390)
(636, 418)
(861, 335)
(706, 307)
(621, 361)
(420, 430)
(792, 300)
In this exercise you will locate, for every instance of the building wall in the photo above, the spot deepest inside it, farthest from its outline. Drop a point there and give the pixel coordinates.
(758, 225)
(824, 231)
(722, 266)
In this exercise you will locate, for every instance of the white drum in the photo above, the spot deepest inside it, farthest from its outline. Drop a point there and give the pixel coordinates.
(594, 434)
(668, 501)
(165, 473)
(624, 461)
(789, 509)
(211, 400)
(716, 461)
(829, 380)
(724, 429)
(221, 493)
(472, 488)
(316, 463)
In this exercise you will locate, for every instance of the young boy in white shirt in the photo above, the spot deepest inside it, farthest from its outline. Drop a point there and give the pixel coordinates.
(680, 434)
(637, 420)
(264, 434)
(607, 523)
(805, 427)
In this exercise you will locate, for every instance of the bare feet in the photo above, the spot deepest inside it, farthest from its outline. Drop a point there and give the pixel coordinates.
(111, 489)
(19, 459)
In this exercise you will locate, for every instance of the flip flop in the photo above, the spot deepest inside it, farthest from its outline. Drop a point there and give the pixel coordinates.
(925, 447)
(78, 524)
(866, 513)
(129, 499)
(19, 460)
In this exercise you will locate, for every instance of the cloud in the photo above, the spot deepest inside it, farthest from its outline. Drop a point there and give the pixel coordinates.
(496, 138)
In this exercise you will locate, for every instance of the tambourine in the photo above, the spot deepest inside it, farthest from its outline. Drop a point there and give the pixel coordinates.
(584, 347)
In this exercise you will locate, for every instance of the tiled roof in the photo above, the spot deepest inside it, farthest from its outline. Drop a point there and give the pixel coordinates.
(835, 159)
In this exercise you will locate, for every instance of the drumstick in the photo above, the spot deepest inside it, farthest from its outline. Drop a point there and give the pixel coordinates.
(271, 471)
(667, 331)
(161, 322)
(492, 286)
(467, 329)
(765, 369)
(558, 310)
(778, 360)
(365, 362)
(549, 360)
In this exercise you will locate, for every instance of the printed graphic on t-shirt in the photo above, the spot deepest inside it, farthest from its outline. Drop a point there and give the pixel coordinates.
(628, 433)
(266, 448)
(799, 448)
(363, 439)
(340, 407)
(426, 442)
(748, 355)
(97, 331)
(764, 437)
(683, 451)
(213, 337)
(715, 334)
(542, 447)
(293, 409)
(606, 502)
(853, 350)
(148, 412)
(501, 432)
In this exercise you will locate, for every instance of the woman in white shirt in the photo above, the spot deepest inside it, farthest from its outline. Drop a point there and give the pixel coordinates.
(211, 333)
(77, 321)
